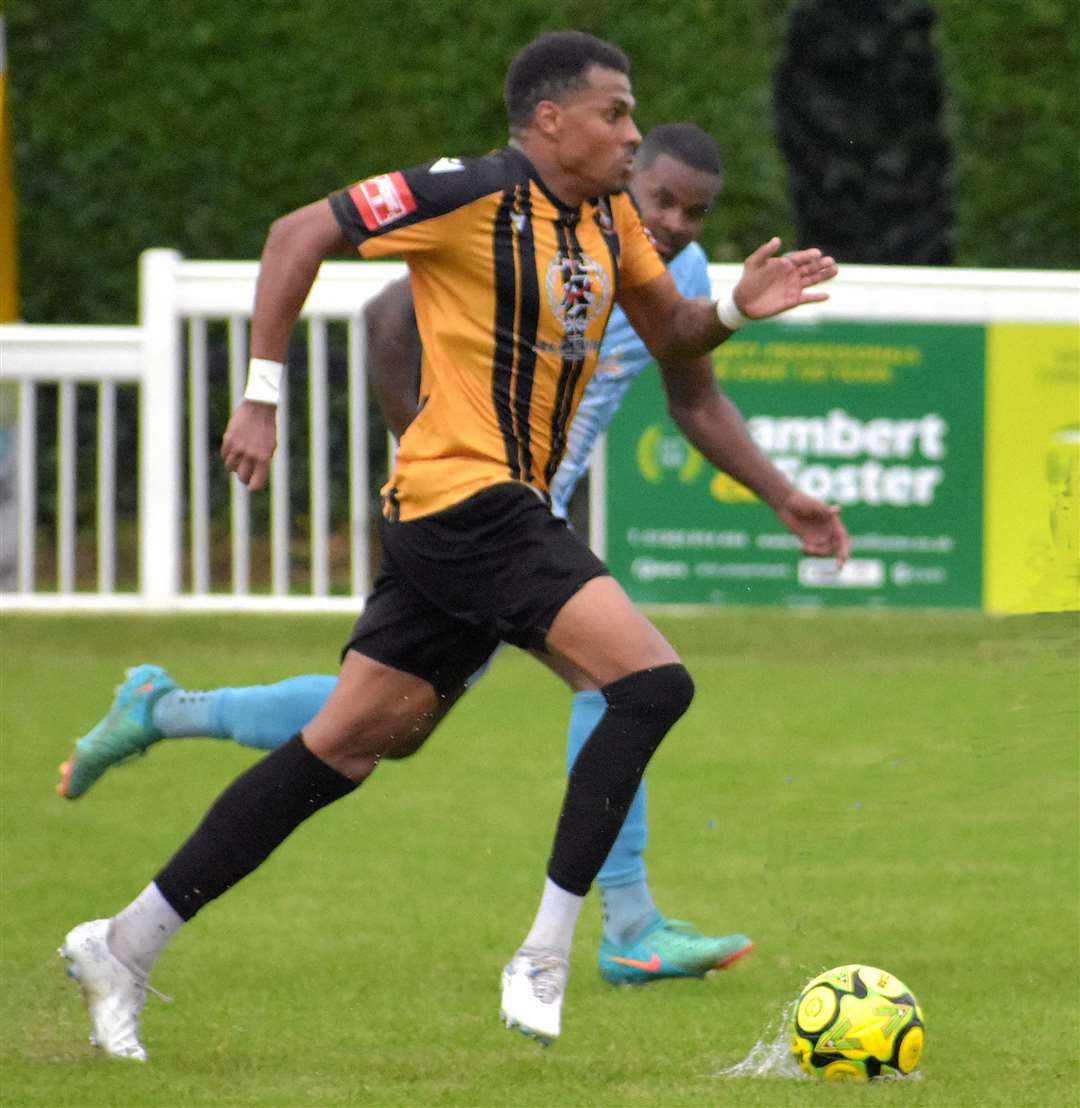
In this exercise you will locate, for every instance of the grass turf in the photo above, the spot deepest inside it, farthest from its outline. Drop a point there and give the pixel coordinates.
(897, 789)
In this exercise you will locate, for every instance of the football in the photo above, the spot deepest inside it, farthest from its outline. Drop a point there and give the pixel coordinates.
(855, 1023)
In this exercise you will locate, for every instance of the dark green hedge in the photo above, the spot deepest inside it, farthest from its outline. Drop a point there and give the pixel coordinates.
(1013, 68)
(194, 123)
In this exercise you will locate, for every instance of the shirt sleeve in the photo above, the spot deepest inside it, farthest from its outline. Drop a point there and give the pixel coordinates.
(699, 283)
(639, 262)
(399, 212)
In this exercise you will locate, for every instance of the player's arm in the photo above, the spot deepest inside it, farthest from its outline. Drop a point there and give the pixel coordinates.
(676, 329)
(715, 426)
(393, 352)
(295, 248)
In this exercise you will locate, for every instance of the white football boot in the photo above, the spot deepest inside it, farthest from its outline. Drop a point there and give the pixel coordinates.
(114, 994)
(533, 985)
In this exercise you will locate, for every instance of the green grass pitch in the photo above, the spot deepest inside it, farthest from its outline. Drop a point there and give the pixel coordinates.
(897, 789)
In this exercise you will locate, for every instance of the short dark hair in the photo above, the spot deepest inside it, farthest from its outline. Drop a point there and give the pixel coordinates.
(553, 65)
(686, 143)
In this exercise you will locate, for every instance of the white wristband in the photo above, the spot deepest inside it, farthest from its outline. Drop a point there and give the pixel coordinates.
(264, 380)
(729, 314)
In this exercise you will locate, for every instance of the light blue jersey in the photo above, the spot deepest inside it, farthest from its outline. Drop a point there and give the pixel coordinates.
(623, 358)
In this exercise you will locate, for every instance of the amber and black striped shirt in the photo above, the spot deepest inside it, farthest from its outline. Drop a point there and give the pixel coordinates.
(512, 290)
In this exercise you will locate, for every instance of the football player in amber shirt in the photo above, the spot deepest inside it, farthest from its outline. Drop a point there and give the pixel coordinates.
(515, 261)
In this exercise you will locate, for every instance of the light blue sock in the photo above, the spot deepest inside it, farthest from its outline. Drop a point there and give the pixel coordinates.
(629, 911)
(262, 716)
(628, 904)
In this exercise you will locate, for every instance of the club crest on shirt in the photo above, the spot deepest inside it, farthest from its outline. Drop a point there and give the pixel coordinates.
(578, 290)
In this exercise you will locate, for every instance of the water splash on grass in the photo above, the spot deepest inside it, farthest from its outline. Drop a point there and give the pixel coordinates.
(771, 1055)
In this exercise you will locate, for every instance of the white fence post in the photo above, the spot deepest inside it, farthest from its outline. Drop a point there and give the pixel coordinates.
(358, 458)
(239, 505)
(598, 494)
(26, 486)
(159, 430)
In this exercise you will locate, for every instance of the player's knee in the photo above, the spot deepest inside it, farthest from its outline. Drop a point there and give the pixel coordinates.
(404, 746)
(661, 692)
(676, 691)
(410, 733)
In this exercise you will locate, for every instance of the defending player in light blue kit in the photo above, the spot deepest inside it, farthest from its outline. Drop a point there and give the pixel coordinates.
(677, 178)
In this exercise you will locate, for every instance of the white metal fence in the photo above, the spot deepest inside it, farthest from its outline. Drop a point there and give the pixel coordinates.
(165, 359)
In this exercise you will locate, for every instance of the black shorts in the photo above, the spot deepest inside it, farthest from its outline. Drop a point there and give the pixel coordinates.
(453, 585)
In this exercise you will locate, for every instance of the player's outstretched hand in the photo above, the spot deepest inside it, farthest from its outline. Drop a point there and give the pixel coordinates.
(772, 283)
(249, 442)
(817, 525)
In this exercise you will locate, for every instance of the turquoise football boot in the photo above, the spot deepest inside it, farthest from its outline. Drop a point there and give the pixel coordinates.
(669, 948)
(125, 731)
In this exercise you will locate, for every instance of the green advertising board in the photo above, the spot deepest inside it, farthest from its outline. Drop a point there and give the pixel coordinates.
(885, 420)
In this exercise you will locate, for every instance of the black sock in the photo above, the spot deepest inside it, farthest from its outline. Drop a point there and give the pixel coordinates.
(254, 815)
(641, 710)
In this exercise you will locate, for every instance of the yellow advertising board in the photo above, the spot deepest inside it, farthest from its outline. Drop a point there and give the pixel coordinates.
(1031, 553)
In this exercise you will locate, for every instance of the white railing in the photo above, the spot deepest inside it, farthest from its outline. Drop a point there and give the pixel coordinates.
(166, 357)
(101, 356)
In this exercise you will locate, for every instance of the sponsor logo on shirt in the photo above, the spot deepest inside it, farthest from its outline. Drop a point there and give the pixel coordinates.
(382, 200)
(446, 165)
